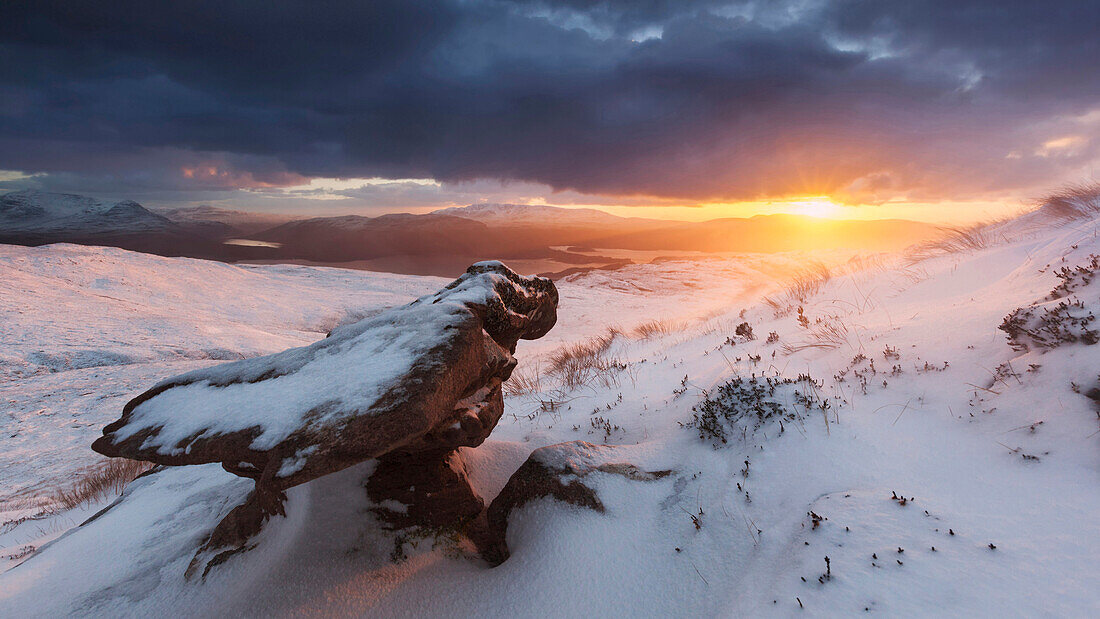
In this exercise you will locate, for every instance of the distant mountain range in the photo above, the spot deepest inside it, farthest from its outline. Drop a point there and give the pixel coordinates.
(242, 222)
(531, 214)
(59, 213)
(438, 243)
(38, 218)
(351, 237)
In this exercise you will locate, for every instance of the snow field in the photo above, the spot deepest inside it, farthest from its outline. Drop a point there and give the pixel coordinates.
(938, 434)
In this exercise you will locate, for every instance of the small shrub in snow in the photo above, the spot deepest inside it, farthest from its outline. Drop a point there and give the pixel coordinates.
(743, 405)
(802, 320)
(604, 425)
(1050, 325)
(744, 330)
(1075, 278)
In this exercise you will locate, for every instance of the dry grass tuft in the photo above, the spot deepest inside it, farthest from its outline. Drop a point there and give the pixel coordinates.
(577, 365)
(1076, 201)
(657, 328)
(955, 240)
(803, 286)
(808, 282)
(98, 482)
(1070, 203)
(829, 334)
(582, 363)
(524, 380)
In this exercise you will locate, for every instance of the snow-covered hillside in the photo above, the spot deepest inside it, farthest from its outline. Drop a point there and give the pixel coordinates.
(866, 442)
(84, 329)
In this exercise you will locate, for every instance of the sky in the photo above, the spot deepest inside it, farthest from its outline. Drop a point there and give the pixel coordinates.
(691, 109)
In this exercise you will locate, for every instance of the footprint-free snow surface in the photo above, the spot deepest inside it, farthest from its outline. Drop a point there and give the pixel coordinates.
(874, 443)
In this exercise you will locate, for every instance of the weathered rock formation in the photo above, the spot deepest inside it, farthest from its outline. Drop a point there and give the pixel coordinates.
(407, 386)
(561, 472)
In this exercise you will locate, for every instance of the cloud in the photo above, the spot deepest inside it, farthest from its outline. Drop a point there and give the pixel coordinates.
(678, 101)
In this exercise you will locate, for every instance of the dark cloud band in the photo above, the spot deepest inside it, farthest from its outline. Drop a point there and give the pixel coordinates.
(697, 100)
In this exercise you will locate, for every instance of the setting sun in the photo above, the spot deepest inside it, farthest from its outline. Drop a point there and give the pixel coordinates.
(815, 207)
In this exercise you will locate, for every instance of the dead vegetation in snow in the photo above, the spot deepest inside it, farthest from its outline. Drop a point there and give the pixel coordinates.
(98, 482)
(956, 240)
(1047, 325)
(803, 286)
(1072, 202)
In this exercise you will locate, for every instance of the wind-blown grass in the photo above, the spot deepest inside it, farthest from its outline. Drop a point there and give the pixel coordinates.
(657, 328)
(804, 284)
(98, 482)
(581, 363)
(830, 333)
(526, 379)
(955, 240)
(1071, 202)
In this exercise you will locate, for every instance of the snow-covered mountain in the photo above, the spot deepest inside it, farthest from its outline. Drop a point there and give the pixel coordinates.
(242, 222)
(31, 211)
(39, 218)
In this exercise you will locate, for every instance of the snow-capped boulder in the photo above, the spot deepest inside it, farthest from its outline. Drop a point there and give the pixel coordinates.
(560, 472)
(408, 386)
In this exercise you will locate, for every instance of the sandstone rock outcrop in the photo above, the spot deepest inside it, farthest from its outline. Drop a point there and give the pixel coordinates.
(560, 472)
(407, 386)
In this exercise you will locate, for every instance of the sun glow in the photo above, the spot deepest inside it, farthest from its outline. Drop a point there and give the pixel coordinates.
(815, 207)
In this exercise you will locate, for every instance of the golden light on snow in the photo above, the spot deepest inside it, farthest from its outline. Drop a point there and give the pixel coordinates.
(820, 206)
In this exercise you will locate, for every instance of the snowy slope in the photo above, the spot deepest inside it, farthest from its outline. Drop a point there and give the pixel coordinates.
(84, 329)
(950, 474)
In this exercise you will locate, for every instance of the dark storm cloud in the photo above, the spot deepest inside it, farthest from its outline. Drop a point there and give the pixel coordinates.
(700, 99)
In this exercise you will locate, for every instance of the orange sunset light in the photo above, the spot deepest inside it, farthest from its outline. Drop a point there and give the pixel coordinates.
(820, 206)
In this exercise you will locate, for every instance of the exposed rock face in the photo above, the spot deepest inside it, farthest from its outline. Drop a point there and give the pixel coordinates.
(408, 387)
(434, 490)
(558, 471)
